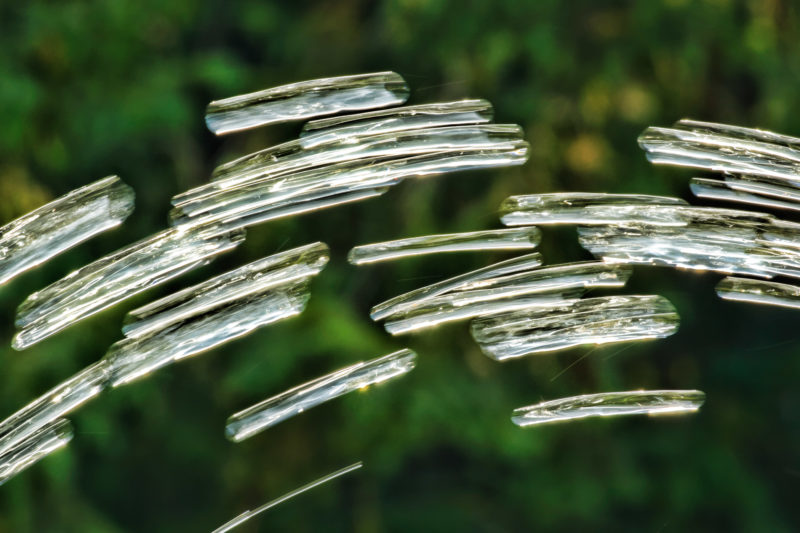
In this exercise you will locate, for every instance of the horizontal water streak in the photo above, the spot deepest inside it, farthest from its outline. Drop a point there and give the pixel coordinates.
(395, 119)
(271, 411)
(134, 358)
(723, 148)
(51, 406)
(595, 321)
(513, 239)
(590, 208)
(115, 277)
(306, 99)
(722, 190)
(272, 271)
(61, 224)
(247, 515)
(40, 444)
(759, 292)
(608, 404)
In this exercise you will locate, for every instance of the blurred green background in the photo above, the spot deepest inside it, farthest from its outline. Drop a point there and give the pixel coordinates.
(90, 88)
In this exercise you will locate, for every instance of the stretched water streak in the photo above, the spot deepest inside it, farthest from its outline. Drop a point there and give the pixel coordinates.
(509, 239)
(747, 192)
(40, 444)
(281, 269)
(63, 223)
(591, 208)
(608, 404)
(43, 412)
(271, 411)
(597, 321)
(722, 148)
(264, 199)
(247, 515)
(395, 119)
(134, 358)
(277, 161)
(118, 276)
(306, 99)
(505, 280)
(759, 292)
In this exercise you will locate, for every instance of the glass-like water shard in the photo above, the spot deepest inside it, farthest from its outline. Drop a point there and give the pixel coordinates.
(284, 268)
(136, 357)
(607, 404)
(596, 321)
(590, 208)
(247, 515)
(395, 119)
(443, 309)
(37, 446)
(51, 406)
(272, 166)
(722, 148)
(747, 192)
(261, 416)
(473, 279)
(260, 200)
(502, 281)
(759, 292)
(306, 99)
(216, 311)
(63, 223)
(510, 239)
(116, 277)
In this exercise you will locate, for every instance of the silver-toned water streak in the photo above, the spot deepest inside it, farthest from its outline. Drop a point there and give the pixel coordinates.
(722, 148)
(595, 321)
(509, 239)
(116, 277)
(759, 292)
(247, 515)
(474, 279)
(288, 174)
(395, 119)
(271, 411)
(40, 444)
(62, 224)
(590, 208)
(482, 294)
(41, 413)
(134, 358)
(610, 404)
(214, 312)
(284, 268)
(306, 99)
(748, 192)
(260, 200)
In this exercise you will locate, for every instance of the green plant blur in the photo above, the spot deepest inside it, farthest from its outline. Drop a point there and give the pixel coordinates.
(91, 88)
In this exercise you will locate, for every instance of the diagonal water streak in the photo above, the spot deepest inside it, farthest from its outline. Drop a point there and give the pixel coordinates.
(759, 292)
(37, 446)
(284, 268)
(116, 277)
(510, 239)
(271, 411)
(608, 404)
(61, 224)
(51, 406)
(247, 515)
(134, 358)
(306, 99)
